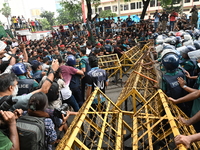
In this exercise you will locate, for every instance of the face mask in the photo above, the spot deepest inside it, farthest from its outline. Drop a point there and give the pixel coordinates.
(198, 65)
(15, 91)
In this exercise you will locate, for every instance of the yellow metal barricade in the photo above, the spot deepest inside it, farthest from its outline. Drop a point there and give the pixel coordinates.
(111, 64)
(142, 78)
(131, 57)
(153, 126)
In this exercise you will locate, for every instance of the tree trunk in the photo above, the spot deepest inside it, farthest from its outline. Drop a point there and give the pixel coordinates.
(145, 6)
(89, 8)
(8, 23)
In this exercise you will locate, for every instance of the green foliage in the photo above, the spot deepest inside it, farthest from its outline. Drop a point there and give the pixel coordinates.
(106, 14)
(49, 17)
(96, 3)
(70, 12)
(170, 5)
(6, 10)
(45, 24)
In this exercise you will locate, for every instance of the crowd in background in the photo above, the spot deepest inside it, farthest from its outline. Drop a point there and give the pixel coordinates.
(21, 23)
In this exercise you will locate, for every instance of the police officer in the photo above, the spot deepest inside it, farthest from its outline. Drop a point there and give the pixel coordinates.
(75, 82)
(85, 67)
(187, 63)
(25, 84)
(170, 83)
(96, 78)
(37, 73)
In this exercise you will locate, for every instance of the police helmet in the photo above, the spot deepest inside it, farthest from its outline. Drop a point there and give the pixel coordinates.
(170, 61)
(196, 35)
(167, 46)
(171, 33)
(190, 32)
(187, 37)
(197, 44)
(155, 35)
(167, 40)
(191, 48)
(19, 69)
(70, 60)
(178, 39)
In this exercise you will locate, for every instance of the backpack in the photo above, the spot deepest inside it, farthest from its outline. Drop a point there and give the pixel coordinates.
(86, 62)
(31, 131)
(53, 92)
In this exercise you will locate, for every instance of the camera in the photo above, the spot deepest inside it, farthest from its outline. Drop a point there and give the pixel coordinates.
(9, 43)
(7, 102)
(62, 110)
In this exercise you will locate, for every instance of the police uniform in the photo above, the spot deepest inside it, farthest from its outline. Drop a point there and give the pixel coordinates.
(172, 89)
(189, 66)
(82, 64)
(37, 75)
(26, 85)
(97, 78)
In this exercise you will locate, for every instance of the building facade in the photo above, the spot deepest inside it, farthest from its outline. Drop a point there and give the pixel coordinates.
(134, 7)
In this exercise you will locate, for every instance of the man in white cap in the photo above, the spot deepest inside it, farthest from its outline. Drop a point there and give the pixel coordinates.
(12, 60)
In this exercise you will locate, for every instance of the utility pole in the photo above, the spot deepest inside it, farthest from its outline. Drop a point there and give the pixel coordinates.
(118, 8)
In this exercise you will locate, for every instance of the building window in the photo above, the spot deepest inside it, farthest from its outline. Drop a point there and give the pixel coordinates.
(114, 8)
(187, 1)
(107, 8)
(126, 7)
(186, 9)
(139, 5)
(152, 3)
(132, 5)
(121, 8)
(158, 3)
(99, 9)
(196, 0)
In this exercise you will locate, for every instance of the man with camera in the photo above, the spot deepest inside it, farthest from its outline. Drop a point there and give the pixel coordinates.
(8, 86)
(6, 67)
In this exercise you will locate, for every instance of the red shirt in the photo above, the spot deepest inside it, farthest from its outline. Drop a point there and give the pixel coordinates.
(67, 72)
(33, 23)
(173, 16)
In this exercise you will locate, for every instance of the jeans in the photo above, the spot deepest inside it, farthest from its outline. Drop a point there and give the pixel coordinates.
(78, 96)
(72, 102)
(172, 25)
(155, 25)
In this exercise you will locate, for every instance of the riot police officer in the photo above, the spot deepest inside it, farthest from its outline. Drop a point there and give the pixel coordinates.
(170, 83)
(25, 84)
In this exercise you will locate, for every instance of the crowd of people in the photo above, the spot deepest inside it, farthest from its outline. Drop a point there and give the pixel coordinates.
(21, 23)
(41, 78)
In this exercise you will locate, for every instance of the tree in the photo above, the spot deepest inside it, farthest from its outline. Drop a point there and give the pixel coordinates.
(170, 5)
(6, 11)
(49, 17)
(106, 14)
(45, 24)
(70, 12)
(145, 6)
